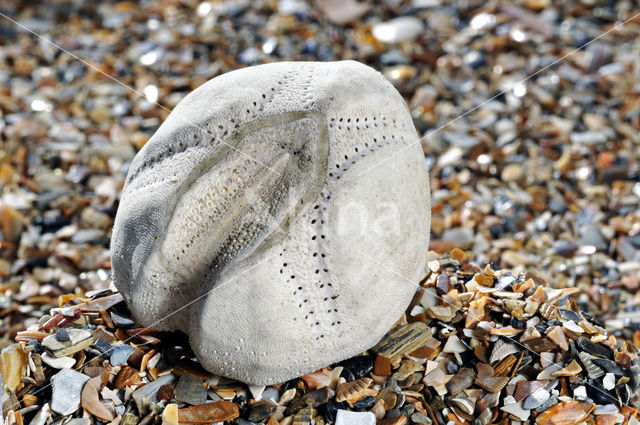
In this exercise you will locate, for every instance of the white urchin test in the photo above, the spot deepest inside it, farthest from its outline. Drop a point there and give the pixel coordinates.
(264, 197)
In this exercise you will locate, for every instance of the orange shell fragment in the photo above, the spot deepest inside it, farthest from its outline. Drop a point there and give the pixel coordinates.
(90, 400)
(458, 254)
(571, 369)
(217, 411)
(524, 286)
(567, 413)
(476, 314)
(556, 334)
(508, 331)
(483, 279)
(608, 419)
(538, 296)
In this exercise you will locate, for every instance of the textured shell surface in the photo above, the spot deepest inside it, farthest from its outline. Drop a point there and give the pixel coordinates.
(279, 217)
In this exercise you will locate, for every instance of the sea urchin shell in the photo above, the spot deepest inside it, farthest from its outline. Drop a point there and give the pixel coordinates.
(279, 217)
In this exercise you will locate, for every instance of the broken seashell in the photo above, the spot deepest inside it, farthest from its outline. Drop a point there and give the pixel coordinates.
(398, 420)
(573, 327)
(354, 390)
(407, 367)
(540, 345)
(609, 381)
(502, 349)
(547, 359)
(217, 411)
(538, 295)
(170, 414)
(90, 400)
(13, 360)
(547, 373)
(531, 308)
(504, 367)
(553, 294)
(287, 396)
(567, 413)
(305, 416)
(127, 376)
(589, 327)
(484, 369)
(435, 378)
(606, 409)
(462, 380)
(378, 410)
(382, 366)
(525, 388)
(599, 350)
(529, 334)
(536, 399)
(593, 371)
(476, 313)
(506, 331)
(58, 362)
(454, 345)
(624, 359)
(446, 313)
(548, 311)
(389, 397)
(403, 340)
(608, 366)
(511, 306)
(556, 334)
(493, 384)
(515, 409)
(571, 369)
(465, 404)
(317, 380)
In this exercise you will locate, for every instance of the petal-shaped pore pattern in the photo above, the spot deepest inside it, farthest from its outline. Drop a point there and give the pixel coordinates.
(232, 205)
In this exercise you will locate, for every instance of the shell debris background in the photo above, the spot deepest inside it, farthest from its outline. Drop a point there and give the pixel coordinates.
(541, 183)
(458, 374)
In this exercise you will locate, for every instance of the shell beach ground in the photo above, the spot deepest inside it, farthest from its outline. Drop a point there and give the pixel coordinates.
(529, 118)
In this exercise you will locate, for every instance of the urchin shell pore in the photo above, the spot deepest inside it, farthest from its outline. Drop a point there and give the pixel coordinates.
(279, 217)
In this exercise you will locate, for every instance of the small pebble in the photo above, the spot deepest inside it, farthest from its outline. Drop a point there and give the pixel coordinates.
(398, 29)
(58, 362)
(78, 340)
(346, 417)
(66, 389)
(170, 414)
(365, 403)
(190, 390)
(609, 381)
(62, 335)
(149, 391)
(261, 410)
(102, 346)
(120, 353)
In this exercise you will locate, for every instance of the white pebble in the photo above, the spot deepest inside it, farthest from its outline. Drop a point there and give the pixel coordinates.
(609, 381)
(347, 417)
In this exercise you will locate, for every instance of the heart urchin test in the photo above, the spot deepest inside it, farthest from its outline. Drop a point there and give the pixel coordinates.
(279, 217)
